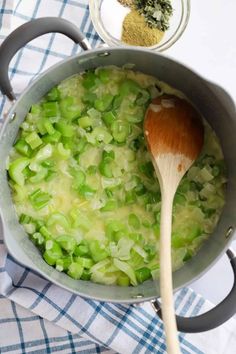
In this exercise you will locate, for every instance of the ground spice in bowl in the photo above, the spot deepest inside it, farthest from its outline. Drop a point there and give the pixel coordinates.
(137, 32)
(128, 3)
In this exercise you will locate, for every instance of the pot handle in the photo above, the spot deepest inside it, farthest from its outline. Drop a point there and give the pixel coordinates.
(212, 318)
(27, 32)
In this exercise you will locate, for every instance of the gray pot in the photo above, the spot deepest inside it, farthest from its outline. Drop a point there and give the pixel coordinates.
(214, 104)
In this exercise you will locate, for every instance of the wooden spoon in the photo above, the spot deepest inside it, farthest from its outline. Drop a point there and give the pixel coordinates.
(174, 135)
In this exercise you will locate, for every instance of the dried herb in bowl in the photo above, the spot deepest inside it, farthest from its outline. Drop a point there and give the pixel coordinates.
(157, 13)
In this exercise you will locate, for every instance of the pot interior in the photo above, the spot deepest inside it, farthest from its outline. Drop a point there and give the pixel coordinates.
(214, 105)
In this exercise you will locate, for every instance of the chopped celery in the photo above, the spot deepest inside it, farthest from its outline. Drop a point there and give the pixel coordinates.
(120, 130)
(85, 122)
(58, 219)
(65, 129)
(53, 94)
(98, 252)
(70, 110)
(104, 103)
(23, 148)
(33, 140)
(110, 205)
(39, 199)
(52, 252)
(134, 221)
(89, 80)
(86, 263)
(50, 109)
(129, 86)
(75, 270)
(127, 269)
(86, 191)
(143, 274)
(67, 242)
(108, 118)
(123, 280)
(81, 250)
(16, 169)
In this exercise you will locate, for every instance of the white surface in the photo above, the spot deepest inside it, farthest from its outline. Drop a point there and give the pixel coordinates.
(208, 46)
(113, 24)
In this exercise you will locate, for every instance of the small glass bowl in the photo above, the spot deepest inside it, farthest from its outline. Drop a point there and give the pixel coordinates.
(178, 23)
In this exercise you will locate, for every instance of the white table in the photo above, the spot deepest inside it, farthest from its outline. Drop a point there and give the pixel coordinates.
(209, 47)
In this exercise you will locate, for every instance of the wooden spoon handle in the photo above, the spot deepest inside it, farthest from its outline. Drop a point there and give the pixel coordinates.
(166, 288)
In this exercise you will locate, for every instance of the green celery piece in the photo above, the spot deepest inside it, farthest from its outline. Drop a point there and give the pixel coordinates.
(108, 118)
(75, 270)
(53, 94)
(85, 122)
(52, 252)
(79, 179)
(81, 250)
(147, 168)
(140, 189)
(58, 219)
(179, 199)
(67, 242)
(37, 239)
(53, 138)
(98, 253)
(91, 170)
(62, 264)
(39, 199)
(16, 170)
(25, 219)
(70, 110)
(127, 269)
(134, 221)
(49, 127)
(110, 205)
(112, 227)
(104, 75)
(105, 169)
(23, 148)
(150, 250)
(143, 97)
(104, 103)
(94, 114)
(143, 274)
(65, 129)
(86, 275)
(46, 234)
(86, 191)
(86, 263)
(33, 140)
(35, 109)
(156, 229)
(89, 80)
(40, 126)
(108, 155)
(123, 280)
(39, 176)
(136, 237)
(101, 134)
(129, 86)
(117, 102)
(130, 197)
(65, 153)
(89, 97)
(120, 130)
(50, 109)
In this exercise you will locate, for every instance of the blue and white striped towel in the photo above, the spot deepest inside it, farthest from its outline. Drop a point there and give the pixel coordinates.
(39, 317)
